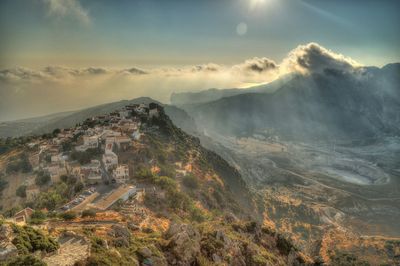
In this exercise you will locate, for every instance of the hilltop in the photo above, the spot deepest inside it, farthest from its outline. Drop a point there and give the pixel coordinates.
(130, 188)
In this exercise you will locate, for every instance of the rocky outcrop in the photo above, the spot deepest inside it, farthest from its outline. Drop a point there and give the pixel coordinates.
(7, 248)
(183, 244)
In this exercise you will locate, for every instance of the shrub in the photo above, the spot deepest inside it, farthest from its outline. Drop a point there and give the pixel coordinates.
(68, 215)
(21, 191)
(144, 173)
(167, 170)
(89, 213)
(48, 200)
(190, 181)
(165, 182)
(84, 157)
(42, 178)
(78, 187)
(284, 245)
(29, 240)
(178, 200)
(19, 164)
(37, 217)
(25, 260)
(3, 184)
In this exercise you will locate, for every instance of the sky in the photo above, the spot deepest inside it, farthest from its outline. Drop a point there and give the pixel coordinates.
(96, 51)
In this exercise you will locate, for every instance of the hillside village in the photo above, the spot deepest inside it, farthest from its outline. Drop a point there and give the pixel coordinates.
(86, 154)
(129, 188)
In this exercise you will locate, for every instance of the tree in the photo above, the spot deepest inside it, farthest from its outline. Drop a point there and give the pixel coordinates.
(3, 184)
(25, 260)
(19, 164)
(190, 181)
(42, 178)
(78, 187)
(37, 217)
(48, 200)
(56, 131)
(89, 213)
(21, 191)
(68, 215)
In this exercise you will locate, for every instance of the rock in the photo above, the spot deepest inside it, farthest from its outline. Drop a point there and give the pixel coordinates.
(135, 263)
(120, 242)
(119, 231)
(216, 258)
(221, 236)
(145, 252)
(115, 253)
(68, 234)
(133, 227)
(7, 248)
(147, 230)
(230, 218)
(184, 243)
(157, 261)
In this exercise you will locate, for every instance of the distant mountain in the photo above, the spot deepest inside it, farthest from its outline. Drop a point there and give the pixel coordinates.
(27, 126)
(46, 124)
(332, 104)
(186, 98)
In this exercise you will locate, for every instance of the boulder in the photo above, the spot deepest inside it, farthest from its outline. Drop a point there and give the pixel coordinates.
(133, 227)
(7, 248)
(119, 231)
(184, 243)
(145, 252)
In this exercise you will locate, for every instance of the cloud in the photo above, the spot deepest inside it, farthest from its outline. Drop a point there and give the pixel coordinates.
(313, 58)
(71, 9)
(305, 59)
(61, 73)
(206, 68)
(257, 65)
(30, 92)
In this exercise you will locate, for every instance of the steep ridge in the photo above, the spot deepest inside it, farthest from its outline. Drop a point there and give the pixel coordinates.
(195, 208)
(332, 104)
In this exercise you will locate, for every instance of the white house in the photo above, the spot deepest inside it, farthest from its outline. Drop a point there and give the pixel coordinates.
(55, 172)
(91, 141)
(123, 113)
(153, 113)
(94, 165)
(136, 135)
(110, 160)
(94, 177)
(121, 173)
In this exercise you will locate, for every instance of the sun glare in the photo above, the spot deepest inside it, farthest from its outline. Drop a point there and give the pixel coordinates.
(256, 3)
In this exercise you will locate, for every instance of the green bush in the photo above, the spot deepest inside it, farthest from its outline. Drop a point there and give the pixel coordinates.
(37, 217)
(25, 260)
(29, 240)
(49, 200)
(78, 187)
(19, 164)
(42, 178)
(144, 173)
(3, 184)
(68, 215)
(190, 181)
(165, 182)
(84, 157)
(21, 191)
(89, 213)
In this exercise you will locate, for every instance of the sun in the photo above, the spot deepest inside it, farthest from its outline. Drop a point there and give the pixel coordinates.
(257, 2)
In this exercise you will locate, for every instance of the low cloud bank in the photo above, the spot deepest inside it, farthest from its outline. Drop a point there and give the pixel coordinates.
(30, 92)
